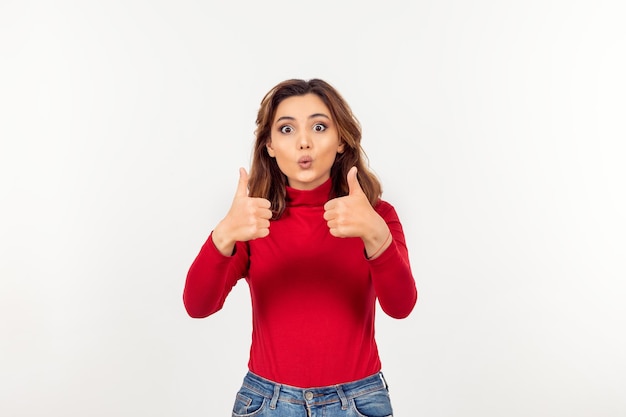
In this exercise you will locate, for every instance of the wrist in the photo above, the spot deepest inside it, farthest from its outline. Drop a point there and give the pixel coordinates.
(386, 243)
(221, 242)
(378, 241)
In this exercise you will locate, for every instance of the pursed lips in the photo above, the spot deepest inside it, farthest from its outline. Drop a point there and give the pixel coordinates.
(305, 161)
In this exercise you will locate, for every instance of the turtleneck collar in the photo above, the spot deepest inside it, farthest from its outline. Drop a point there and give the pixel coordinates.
(315, 197)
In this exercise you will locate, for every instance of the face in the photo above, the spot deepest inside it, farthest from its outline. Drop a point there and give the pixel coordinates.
(304, 141)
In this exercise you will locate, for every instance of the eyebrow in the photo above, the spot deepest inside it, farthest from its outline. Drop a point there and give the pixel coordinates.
(314, 115)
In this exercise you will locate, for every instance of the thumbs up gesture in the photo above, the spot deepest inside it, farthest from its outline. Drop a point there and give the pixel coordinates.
(247, 219)
(352, 215)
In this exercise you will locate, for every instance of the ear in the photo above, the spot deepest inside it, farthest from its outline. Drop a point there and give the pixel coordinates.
(270, 150)
(341, 147)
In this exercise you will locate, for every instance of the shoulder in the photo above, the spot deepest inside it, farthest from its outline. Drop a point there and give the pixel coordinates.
(386, 210)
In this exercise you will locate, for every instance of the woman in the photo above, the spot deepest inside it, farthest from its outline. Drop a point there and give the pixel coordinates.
(317, 246)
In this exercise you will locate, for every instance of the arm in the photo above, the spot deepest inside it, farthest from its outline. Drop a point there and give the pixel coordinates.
(391, 271)
(223, 258)
(383, 240)
(211, 277)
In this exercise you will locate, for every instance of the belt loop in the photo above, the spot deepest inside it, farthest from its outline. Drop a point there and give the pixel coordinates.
(275, 397)
(382, 377)
(342, 396)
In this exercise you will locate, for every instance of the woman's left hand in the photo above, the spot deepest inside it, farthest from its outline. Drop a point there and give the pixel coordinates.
(354, 216)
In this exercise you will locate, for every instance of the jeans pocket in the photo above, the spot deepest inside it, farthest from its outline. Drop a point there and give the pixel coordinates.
(373, 404)
(248, 403)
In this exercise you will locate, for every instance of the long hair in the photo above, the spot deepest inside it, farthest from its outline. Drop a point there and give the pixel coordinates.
(267, 181)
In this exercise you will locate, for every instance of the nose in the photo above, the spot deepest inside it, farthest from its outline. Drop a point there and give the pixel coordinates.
(304, 142)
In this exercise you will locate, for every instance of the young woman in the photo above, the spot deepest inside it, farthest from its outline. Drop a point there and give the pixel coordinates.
(317, 245)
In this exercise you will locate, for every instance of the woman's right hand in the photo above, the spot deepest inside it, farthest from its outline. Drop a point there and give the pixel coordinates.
(247, 219)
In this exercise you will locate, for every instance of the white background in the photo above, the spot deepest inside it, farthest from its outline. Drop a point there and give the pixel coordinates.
(497, 128)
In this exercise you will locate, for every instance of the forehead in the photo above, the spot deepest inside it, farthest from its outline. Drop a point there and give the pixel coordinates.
(301, 107)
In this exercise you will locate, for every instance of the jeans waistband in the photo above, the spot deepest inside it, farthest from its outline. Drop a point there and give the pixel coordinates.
(314, 396)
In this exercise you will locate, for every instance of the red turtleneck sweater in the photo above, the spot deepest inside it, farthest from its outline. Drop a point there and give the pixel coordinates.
(313, 295)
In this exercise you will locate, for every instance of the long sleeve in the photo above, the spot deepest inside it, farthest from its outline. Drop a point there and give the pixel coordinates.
(391, 271)
(211, 277)
(313, 295)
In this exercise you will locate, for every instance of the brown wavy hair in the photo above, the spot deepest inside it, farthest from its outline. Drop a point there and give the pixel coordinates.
(267, 181)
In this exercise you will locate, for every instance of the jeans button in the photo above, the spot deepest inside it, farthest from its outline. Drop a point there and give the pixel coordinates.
(308, 395)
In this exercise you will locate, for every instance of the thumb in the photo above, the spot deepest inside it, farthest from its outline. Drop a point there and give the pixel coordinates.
(242, 185)
(353, 183)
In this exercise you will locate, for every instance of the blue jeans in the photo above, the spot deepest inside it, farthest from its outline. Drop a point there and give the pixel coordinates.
(259, 397)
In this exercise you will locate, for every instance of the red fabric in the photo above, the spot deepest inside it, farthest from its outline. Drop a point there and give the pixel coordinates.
(313, 295)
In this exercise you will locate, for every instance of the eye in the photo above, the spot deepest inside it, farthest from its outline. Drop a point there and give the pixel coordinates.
(286, 129)
(319, 127)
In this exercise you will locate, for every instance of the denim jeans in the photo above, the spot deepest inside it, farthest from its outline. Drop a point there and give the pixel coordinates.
(259, 397)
